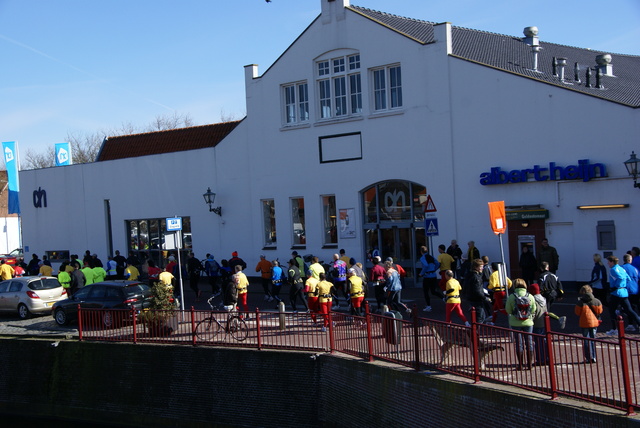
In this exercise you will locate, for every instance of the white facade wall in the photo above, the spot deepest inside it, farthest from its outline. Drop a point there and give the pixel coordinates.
(458, 120)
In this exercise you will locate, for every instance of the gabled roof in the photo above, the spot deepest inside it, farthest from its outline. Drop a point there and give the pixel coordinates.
(511, 54)
(174, 140)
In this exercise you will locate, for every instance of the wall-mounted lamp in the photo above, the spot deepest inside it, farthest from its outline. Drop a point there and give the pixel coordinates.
(632, 168)
(209, 199)
(602, 206)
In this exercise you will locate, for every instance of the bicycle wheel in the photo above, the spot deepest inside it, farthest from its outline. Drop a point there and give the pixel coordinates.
(238, 328)
(207, 329)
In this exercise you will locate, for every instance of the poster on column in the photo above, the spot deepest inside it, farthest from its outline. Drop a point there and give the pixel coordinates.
(10, 150)
(347, 223)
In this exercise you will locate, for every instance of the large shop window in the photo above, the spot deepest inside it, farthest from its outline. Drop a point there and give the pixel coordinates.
(269, 223)
(393, 202)
(149, 239)
(330, 223)
(297, 217)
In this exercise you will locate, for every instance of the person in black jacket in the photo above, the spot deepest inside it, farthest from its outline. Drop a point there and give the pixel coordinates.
(473, 291)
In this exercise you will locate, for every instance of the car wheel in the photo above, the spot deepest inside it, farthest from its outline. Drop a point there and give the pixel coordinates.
(23, 311)
(61, 317)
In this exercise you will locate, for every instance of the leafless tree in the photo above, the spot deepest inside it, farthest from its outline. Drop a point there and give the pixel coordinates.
(85, 147)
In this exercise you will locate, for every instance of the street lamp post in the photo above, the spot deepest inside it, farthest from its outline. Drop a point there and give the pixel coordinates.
(632, 168)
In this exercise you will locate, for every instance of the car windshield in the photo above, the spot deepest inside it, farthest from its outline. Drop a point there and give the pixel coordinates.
(133, 289)
(44, 284)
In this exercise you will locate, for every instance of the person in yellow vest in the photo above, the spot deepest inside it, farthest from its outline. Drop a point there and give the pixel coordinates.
(499, 292)
(45, 270)
(452, 298)
(99, 274)
(131, 273)
(6, 271)
(242, 283)
(356, 292)
(311, 288)
(87, 271)
(325, 290)
(64, 278)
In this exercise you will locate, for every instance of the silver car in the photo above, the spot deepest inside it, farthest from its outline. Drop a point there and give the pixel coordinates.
(30, 295)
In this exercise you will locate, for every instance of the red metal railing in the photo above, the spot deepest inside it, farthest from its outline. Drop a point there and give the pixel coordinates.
(479, 352)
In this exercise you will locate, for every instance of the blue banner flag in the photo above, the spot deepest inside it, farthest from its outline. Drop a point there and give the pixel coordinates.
(63, 154)
(10, 150)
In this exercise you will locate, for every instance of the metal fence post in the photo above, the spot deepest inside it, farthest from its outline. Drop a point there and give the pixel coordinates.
(474, 344)
(79, 323)
(416, 338)
(367, 320)
(258, 329)
(331, 342)
(628, 397)
(553, 382)
(134, 317)
(193, 326)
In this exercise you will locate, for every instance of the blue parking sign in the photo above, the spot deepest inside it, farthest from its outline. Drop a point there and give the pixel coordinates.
(431, 226)
(174, 224)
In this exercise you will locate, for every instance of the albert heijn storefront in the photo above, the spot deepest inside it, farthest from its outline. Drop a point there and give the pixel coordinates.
(577, 207)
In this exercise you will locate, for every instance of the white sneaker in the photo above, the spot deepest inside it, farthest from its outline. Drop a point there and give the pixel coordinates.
(427, 309)
(612, 333)
(631, 327)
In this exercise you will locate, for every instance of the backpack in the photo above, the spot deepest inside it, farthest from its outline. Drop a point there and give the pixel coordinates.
(522, 309)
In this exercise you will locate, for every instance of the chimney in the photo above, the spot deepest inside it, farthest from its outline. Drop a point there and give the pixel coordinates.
(535, 49)
(531, 36)
(576, 72)
(562, 63)
(333, 10)
(604, 64)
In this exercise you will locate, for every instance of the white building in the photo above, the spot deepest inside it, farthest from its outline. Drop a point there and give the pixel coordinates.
(361, 121)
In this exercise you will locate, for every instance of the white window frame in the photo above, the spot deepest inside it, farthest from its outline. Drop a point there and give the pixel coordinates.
(329, 219)
(269, 223)
(295, 100)
(339, 86)
(386, 87)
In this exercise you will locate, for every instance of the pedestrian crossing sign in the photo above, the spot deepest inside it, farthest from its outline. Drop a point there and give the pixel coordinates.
(431, 227)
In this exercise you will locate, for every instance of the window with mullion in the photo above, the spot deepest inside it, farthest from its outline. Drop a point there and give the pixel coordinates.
(379, 89)
(290, 103)
(340, 91)
(355, 91)
(395, 86)
(324, 87)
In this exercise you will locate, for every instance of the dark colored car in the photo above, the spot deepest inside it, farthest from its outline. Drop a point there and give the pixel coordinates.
(103, 295)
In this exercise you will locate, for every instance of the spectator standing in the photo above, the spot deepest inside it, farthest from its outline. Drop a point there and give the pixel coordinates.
(521, 320)
(619, 294)
(45, 270)
(194, 267)
(599, 279)
(153, 272)
(95, 261)
(264, 267)
(212, 269)
(429, 277)
(121, 264)
(474, 291)
(528, 265)
(33, 268)
(455, 252)
(539, 326)
(550, 285)
(99, 274)
(112, 268)
(64, 278)
(345, 258)
(549, 254)
(589, 310)
(472, 254)
(452, 298)
(632, 288)
(77, 277)
(87, 271)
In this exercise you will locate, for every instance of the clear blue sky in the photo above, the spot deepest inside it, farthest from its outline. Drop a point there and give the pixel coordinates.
(81, 66)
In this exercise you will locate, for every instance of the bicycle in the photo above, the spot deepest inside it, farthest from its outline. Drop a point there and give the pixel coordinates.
(209, 327)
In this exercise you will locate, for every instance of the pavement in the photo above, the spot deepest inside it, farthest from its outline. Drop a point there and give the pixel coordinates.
(45, 326)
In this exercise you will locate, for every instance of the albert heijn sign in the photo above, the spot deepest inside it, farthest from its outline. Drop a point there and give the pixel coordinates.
(584, 171)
